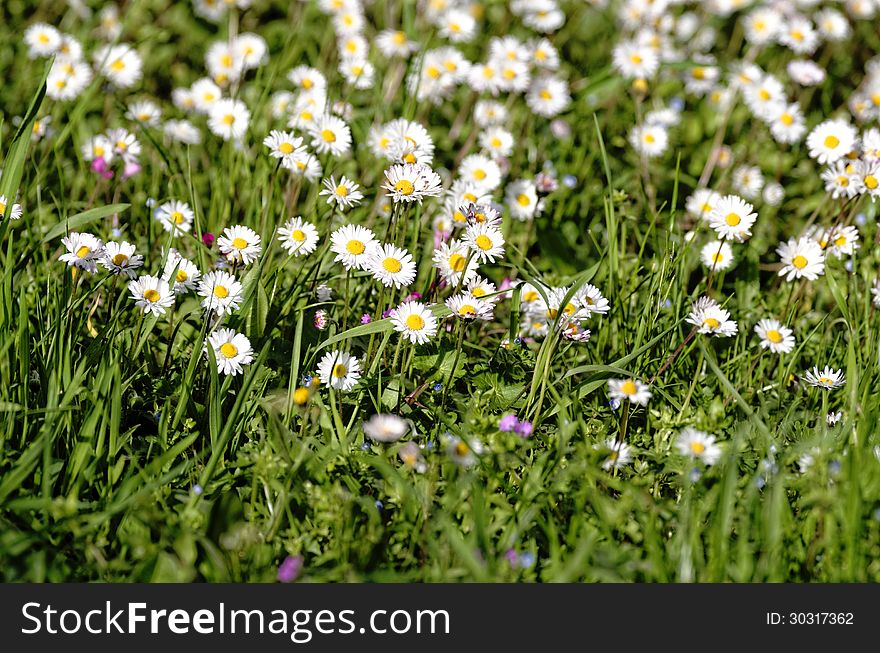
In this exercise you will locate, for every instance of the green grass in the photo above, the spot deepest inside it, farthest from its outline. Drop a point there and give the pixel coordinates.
(109, 421)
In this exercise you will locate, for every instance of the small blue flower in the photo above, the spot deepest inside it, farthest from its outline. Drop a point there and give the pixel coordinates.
(150, 203)
(116, 231)
(676, 103)
(760, 482)
(848, 265)
(438, 387)
(614, 403)
(527, 559)
(694, 475)
(861, 218)
(570, 181)
(379, 504)
(307, 379)
(365, 446)
(834, 467)
(197, 489)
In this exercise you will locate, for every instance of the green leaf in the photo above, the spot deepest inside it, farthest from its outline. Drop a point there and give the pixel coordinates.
(80, 220)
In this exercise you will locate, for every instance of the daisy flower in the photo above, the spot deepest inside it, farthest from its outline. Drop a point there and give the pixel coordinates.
(392, 266)
(394, 43)
(711, 319)
(698, 445)
(119, 258)
(733, 218)
(467, 307)
(14, 212)
(634, 60)
(497, 141)
(522, 200)
(229, 119)
(119, 63)
(827, 379)
(801, 258)
(786, 122)
(151, 294)
(461, 452)
(590, 300)
(345, 193)
(310, 80)
(385, 428)
(205, 94)
(340, 370)
(83, 251)
(481, 171)
(145, 112)
(303, 165)
(412, 182)
(239, 244)
(231, 351)
(748, 181)
(774, 336)
(220, 292)
(451, 260)
(632, 390)
(415, 321)
(649, 140)
(485, 241)
(548, 96)
(175, 216)
(330, 134)
(483, 289)
(298, 237)
(185, 273)
(842, 241)
(840, 179)
(353, 246)
(42, 40)
(283, 144)
(717, 255)
(831, 140)
(619, 454)
(701, 203)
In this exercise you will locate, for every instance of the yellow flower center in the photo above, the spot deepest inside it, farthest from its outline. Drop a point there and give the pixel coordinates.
(824, 380)
(226, 61)
(831, 142)
(698, 73)
(629, 387)
(732, 219)
(229, 350)
(544, 94)
(329, 136)
(239, 243)
(43, 38)
(480, 174)
(398, 38)
(483, 242)
(774, 336)
(298, 235)
(871, 182)
(120, 259)
(221, 291)
(340, 370)
(285, 148)
(786, 119)
(523, 199)
(404, 187)
(433, 72)
(181, 276)
(698, 447)
(495, 142)
(649, 138)
(307, 83)
(342, 191)
(457, 262)
(712, 323)
(764, 94)
(392, 265)
(467, 310)
(840, 241)
(800, 262)
(355, 247)
(635, 58)
(151, 295)
(177, 217)
(228, 119)
(82, 252)
(461, 449)
(415, 322)
(118, 65)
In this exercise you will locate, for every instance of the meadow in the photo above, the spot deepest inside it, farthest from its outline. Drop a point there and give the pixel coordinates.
(447, 290)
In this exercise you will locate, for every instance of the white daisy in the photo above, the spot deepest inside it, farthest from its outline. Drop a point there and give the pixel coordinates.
(649, 140)
(220, 292)
(340, 370)
(345, 193)
(151, 294)
(774, 336)
(392, 266)
(801, 258)
(184, 273)
(698, 445)
(353, 246)
(415, 321)
(229, 119)
(239, 244)
(83, 251)
(231, 351)
(831, 140)
(485, 241)
(330, 134)
(298, 237)
(717, 255)
(467, 307)
(619, 454)
(120, 258)
(827, 379)
(632, 390)
(711, 319)
(386, 428)
(733, 218)
(175, 216)
(412, 182)
(451, 260)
